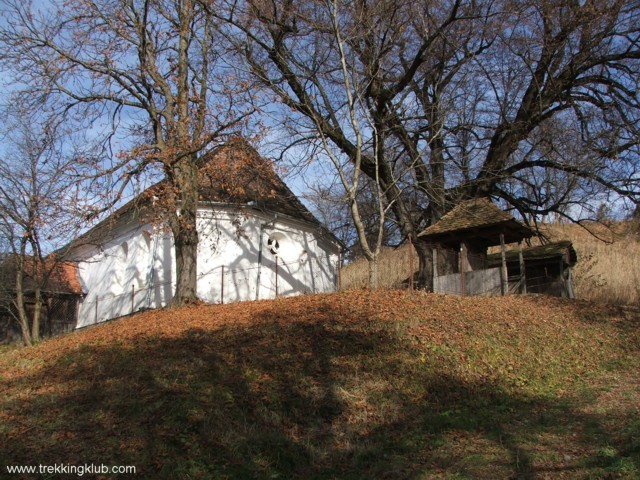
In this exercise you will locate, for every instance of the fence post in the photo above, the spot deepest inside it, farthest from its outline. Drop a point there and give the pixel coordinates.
(338, 269)
(463, 255)
(503, 268)
(410, 263)
(133, 297)
(434, 268)
(523, 274)
(96, 320)
(222, 287)
(276, 276)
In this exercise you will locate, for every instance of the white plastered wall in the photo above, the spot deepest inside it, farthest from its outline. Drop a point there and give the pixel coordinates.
(306, 260)
(135, 268)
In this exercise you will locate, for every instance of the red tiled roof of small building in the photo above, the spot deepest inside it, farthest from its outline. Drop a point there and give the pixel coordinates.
(63, 276)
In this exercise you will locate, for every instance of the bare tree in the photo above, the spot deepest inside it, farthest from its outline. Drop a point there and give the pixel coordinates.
(42, 207)
(565, 78)
(367, 139)
(145, 76)
(291, 49)
(534, 103)
(327, 200)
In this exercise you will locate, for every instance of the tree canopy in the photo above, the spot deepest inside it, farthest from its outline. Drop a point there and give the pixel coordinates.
(533, 103)
(145, 76)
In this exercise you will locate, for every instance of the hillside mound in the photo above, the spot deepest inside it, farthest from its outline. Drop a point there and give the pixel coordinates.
(367, 384)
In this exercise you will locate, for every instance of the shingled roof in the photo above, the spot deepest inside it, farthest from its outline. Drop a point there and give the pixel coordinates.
(233, 173)
(63, 276)
(562, 249)
(477, 219)
(236, 173)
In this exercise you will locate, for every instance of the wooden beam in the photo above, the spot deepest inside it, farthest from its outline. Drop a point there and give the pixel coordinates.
(410, 264)
(434, 266)
(523, 277)
(463, 267)
(570, 291)
(504, 278)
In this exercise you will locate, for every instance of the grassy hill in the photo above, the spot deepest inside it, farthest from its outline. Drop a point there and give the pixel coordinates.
(377, 384)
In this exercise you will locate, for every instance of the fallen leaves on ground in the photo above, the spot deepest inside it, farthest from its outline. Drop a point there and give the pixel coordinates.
(364, 384)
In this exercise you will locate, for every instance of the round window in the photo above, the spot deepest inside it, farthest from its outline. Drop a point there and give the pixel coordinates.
(277, 243)
(274, 246)
(284, 247)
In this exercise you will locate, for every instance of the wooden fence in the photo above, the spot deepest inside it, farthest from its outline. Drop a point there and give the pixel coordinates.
(396, 265)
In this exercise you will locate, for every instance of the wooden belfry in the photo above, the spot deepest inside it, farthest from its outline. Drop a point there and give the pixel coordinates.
(471, 228)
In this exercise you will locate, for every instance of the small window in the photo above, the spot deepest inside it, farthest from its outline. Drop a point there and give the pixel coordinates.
(277, 243)
(274, 246)
(282, 246)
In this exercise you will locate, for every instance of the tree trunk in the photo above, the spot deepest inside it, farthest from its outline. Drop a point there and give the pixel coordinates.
(373, 272)
(23, 319)
(35, 321)
(436, 188)
(186, 248)
(185, 234)
(425, 279)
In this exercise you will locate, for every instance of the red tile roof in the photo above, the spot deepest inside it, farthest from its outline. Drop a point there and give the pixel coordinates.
(232, 173)
(63, 276)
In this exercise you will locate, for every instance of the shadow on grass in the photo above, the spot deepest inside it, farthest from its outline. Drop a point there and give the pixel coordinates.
(277, 399)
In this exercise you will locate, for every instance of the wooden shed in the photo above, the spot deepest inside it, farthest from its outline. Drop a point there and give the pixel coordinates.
(60, 297)
(548, 268)
(470, 229)
(478, 223)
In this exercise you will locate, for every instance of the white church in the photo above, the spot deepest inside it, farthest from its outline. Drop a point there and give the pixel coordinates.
(256, 241)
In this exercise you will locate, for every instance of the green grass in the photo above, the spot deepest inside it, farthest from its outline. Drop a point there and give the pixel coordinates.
(350, 386)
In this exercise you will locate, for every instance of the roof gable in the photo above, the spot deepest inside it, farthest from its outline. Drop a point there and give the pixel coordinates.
(234, 174)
